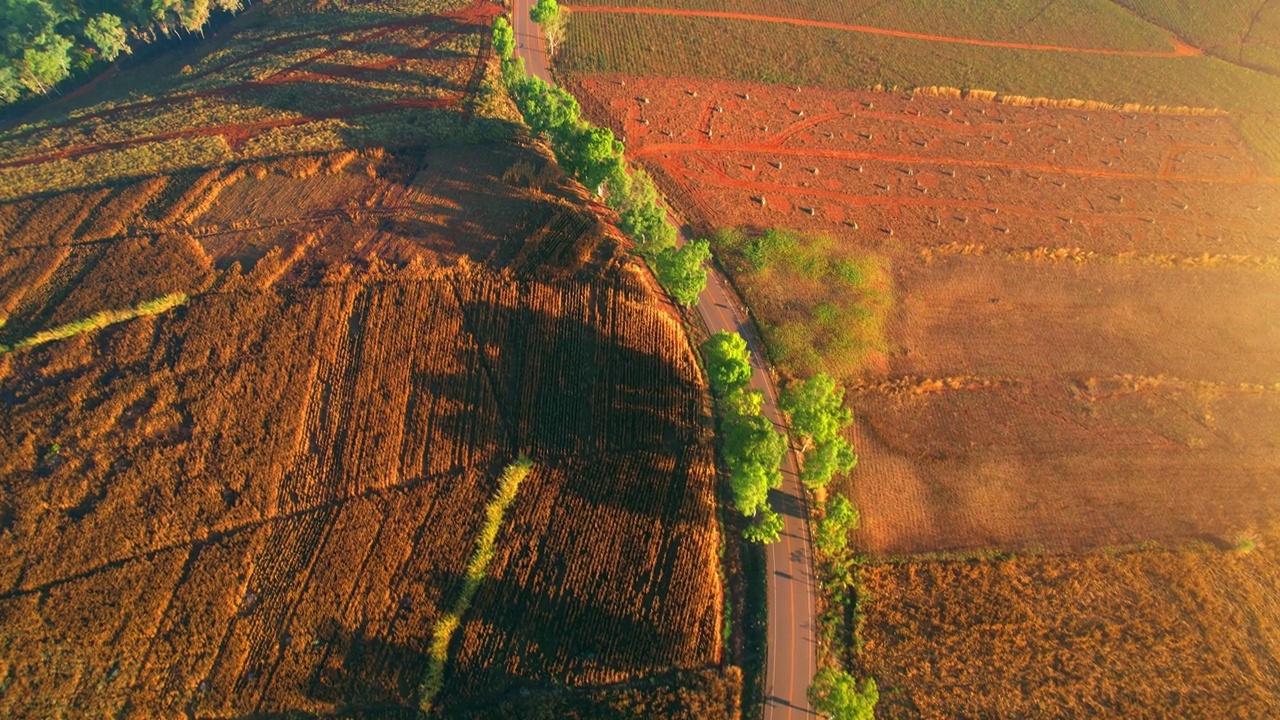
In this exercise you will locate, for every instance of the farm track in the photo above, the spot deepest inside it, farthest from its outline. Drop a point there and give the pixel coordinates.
(1180, 49)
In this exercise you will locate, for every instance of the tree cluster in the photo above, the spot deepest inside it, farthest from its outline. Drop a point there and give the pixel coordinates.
(752, 448)
(837, 695)
(818, 415)
(42, 42)
(595, 157)
(551, 19)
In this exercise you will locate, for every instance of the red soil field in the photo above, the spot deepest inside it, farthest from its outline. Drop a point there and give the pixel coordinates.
(1082, 351)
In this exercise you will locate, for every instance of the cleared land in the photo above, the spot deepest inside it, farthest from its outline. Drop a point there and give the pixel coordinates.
(261, 502)
(1057, 328)
(1246, 32)
(765, 51)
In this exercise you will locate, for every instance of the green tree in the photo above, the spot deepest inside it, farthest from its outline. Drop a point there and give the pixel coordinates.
(826, 460)
(46, 62)
(544, 10)
(504, 37)
(682, 271)
(728, 362)
(106, 33)
(753, 450)
(640, 215)
(816, 408)
(837, 695)
(766, 528)
(742, 401)
(593, 154)
(831, 535)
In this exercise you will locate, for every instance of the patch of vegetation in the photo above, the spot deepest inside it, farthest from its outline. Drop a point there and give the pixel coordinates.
(98, 321)
(447, 625)
(752, 449)
(820, 307)
(594, 156)
(818, 416)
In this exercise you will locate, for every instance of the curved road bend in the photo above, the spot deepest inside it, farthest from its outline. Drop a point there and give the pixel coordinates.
(793, 649)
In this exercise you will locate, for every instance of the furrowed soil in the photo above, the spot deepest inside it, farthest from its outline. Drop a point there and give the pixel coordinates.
(260, 503)
(1076, 354)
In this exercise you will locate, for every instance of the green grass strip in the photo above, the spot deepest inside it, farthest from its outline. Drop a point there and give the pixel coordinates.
(447, 625)
(98, 321)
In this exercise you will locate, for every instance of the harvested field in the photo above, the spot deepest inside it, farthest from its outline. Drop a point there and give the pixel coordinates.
(1081, 330)
(255, 406)
(1150, 634)
(786, 46)
(1057, 329)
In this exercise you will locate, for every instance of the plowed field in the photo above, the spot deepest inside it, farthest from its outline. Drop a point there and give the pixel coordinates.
(258, 497)
(1068, 429)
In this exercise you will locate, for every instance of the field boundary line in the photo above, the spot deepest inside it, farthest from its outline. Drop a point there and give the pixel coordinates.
(1180, 49)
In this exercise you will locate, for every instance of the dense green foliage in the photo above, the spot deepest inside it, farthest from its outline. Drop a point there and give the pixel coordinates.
(594, 156)
(681, 271)
(753, 450)
(837, 695)
(728, 362)
(818, 415)
(549, 17)
(766, 528)
(42, 42)
(831, 534)
(504, 37)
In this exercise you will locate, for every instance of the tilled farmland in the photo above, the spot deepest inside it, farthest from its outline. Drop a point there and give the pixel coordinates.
(255, 407)
(1057, 327)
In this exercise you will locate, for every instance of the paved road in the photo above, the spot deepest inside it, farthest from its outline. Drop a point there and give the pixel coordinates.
(793, 649)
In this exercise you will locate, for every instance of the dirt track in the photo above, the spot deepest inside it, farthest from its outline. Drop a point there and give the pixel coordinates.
(1180, 49)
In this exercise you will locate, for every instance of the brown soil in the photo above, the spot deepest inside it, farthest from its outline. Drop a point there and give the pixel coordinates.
(261, 503)
(1082, 351)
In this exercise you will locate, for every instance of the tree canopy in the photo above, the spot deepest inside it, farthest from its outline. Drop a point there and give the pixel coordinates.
(43, 41)
(832, 532)
(837, 695)
(681, 271)
(753, 450)
(818, 415)
(728, 362)
(504, 37)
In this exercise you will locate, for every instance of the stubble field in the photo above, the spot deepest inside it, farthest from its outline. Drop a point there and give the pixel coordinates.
(1065, 347)
(256, 407)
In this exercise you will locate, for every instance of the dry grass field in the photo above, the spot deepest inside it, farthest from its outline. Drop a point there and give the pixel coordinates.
(1057, 329)
(255, 405)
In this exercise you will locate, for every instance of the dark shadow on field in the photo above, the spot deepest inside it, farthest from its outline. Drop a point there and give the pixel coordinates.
(574, 382)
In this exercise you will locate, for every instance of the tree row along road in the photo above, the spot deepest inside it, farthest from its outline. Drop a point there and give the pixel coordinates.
(792, 637)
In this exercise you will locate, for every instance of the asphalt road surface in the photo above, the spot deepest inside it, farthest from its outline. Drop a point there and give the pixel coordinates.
(793, 649)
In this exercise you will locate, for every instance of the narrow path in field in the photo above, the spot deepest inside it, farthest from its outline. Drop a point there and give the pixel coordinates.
(1180, 49)
(770, 148)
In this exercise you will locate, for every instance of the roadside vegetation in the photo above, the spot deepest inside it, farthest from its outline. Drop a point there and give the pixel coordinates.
(595, 157)
(820, 306)
(752, 449)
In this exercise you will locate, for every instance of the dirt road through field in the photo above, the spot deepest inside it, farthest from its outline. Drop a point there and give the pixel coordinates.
(793, 650)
